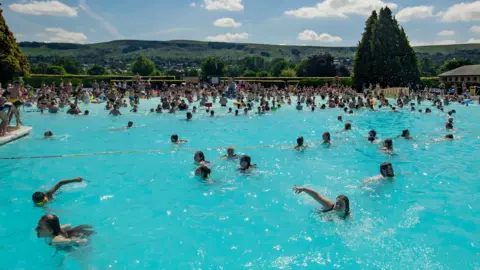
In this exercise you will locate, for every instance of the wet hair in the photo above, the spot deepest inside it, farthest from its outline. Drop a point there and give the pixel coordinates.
(339, 118)
(393, 108)
(236, 112)
(212, 112)
(174, 137)
(200, 154)
(350, 112)
(405, 132)
(130, 123)
(86, 112)
(449, 136)
(189, 115)
(152, 110)
(345, 109)
(449, 125)
(453, 111)
(326, 134)
(372, 133)
(347, 204)
(450, 120)
(38, 197)
(348, 126)
(300, 140)
(53, 224)
(204, 170)
(420, 110)
(388, 143)
(386, 165)
(48, 133)
(449, 113)
(313, 108)
(247, 159)
(413, 108)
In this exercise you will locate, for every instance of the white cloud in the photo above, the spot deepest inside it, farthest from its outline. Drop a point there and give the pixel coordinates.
(193, 4)
(52, 8)
(475, 29)
(472, 40)
(227, 22)
(107, 25)
(339, 8)
(411, 13)
(62, 35)
(311, 35)
(228, 37)
(230, 5)
(441, 42)
(462, 12)
(446, 33)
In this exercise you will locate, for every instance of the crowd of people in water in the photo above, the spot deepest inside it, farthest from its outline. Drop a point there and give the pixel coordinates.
(244, 98)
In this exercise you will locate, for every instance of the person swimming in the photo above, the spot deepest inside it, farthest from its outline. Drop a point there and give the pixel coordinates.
(387, 145)
(48, 134)
(203, 171)
(199, 158)
(189, 116)
(130, 124)
(40, 198)
(449, 124)
(300, 145)
(341, 205)
(372, 136)
(326, 138)
(339, 118)
(245, 164)
(348, 127)
(174, 139)
(115, 111)
(49, 227)
(386, 171)
(405, 135)
(230, 154)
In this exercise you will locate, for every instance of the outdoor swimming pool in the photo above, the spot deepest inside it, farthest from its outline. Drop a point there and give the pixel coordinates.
(151, 212)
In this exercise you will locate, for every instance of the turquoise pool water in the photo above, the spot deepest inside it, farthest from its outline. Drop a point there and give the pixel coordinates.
(150, 212)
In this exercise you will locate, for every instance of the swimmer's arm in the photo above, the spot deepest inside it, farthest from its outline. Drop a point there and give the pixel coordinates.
(66, 226)
(326, 203)
(60, 184)
(60, 240)
(373, 178)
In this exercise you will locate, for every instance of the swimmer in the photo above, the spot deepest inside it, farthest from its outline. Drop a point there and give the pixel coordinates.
(230, 154)
(189, 116)
(40, 198)
(245, 111)
(194, 109)
(300, 145)
(49, 227)
(326, 138)
(203, 171)
(341, 205)
(386, 172)
(236, 112)
(48, 134)
(86, 112)
(449, 124)
(199, 158)
(174, 139)
(372, 136)
(394, 110)
(405, 135)
(230, 110)
(448, 137)
(348, 127)
(115, 111)
(387, 145)
(299, 106)
(339, 118)
(245, 164)
(212, 113)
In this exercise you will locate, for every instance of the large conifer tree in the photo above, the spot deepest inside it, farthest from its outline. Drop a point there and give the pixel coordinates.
(384, 54)
(12, 61)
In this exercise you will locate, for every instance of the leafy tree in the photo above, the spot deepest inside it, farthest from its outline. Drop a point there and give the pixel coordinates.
(70, 64)
(191, 72)
(173, 72)
(254, 63)
(55, 70)
(249, 73)
(96, 70)
(143, 66)
(263, 73)
(320, 65)
(289, 72)
(277, 65)
(12, 62)
(212, 67)
(454, 63)
(426, 67)
(343, 71)
(295, 52)
(233, 71)
(40, 68)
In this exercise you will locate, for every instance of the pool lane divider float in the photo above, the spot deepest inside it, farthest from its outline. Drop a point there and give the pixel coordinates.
(15, 134)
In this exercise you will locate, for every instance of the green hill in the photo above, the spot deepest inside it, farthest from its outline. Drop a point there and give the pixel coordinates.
(193, 52)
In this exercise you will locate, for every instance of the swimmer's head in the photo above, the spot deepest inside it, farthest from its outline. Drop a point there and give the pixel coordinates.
(350, 112)
(342, 204)
(394, 109)
(388, 143)
(203, 171)
(348, 126)
(326, 137)
(405, 133)
(130, 124)
(245, 162)
(449, 125)
(449, 136)
(345, 109)
(48, 133)
(229, 109)
(300, 141)
(236, 112)
(152, 110)
(48, 226)
(386, 169)
(189, 116)
(453, 111)
(339, 118)
(412, 109)
(231, 151)
(449, 113)
(199, 156)
(174, 138)
(420, 111)
(39, 198)
(212, 113)
(313, 108)
(86, 112)
(450, 120)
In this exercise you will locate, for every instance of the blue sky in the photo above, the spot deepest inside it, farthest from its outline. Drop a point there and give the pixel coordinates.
(299, 22)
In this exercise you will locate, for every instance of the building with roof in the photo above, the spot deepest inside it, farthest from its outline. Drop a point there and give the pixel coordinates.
(465, 75)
